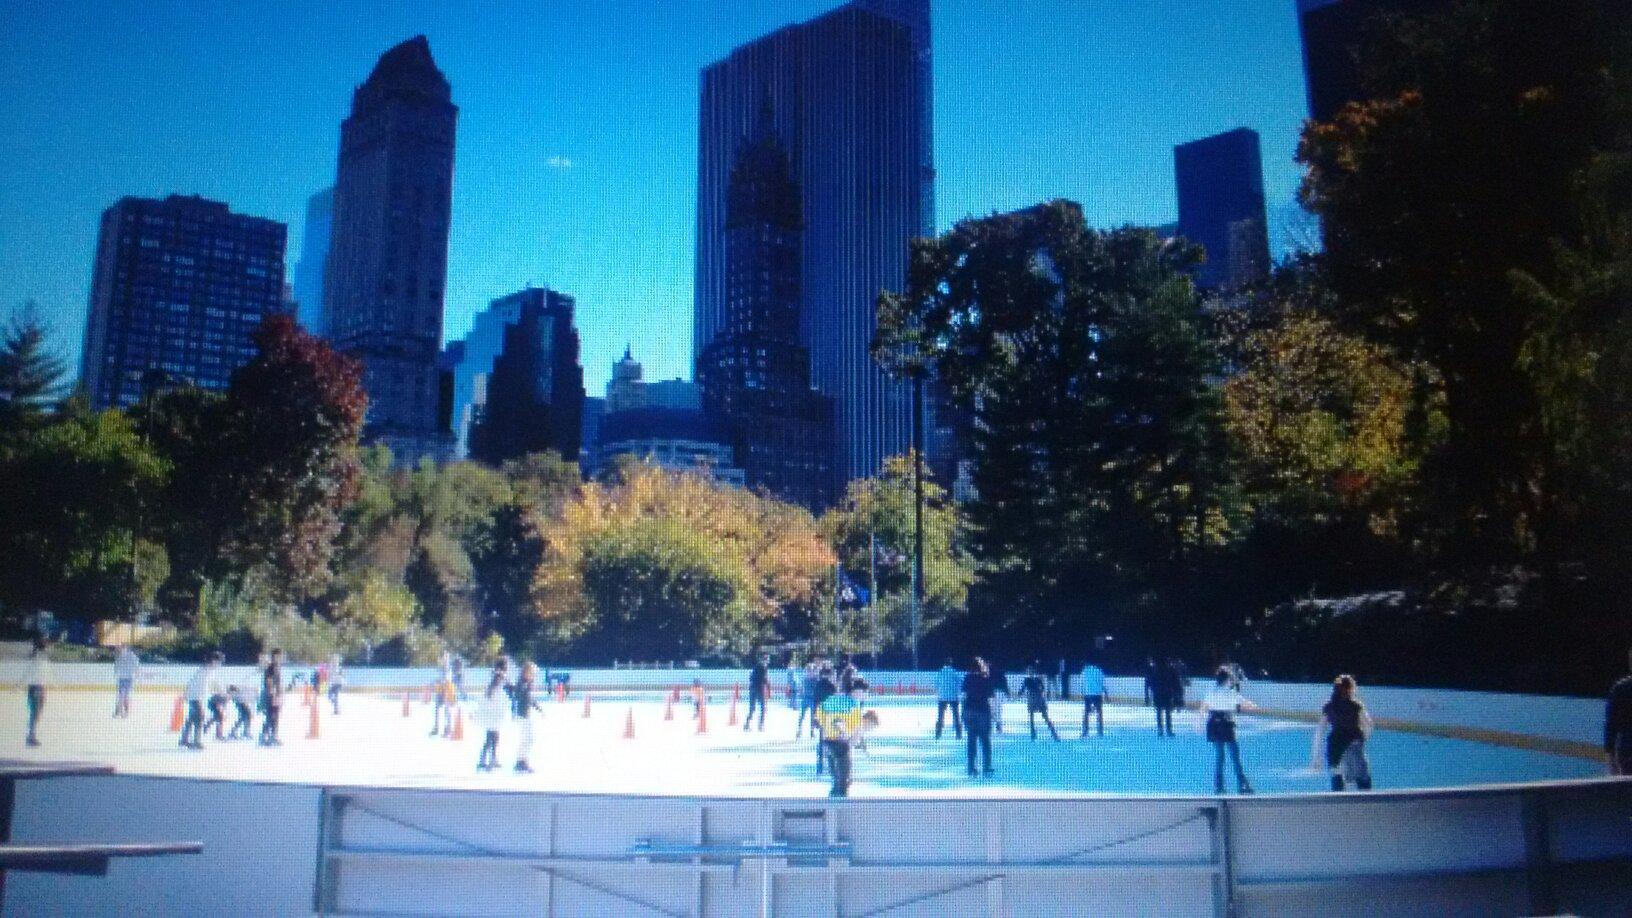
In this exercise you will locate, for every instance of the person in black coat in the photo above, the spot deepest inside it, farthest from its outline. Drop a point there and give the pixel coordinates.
(1167, 694)
(978, 688)
(759, 689)
(1035, 691)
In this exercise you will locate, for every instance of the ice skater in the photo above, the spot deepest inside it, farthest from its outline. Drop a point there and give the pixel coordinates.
(1166, 695)
(948, 683)
(1218, 709)
(1618, 725)
(1346, 724)
(523, 706)
(201, 688)
(39, 676)
(444, 699)
(759, 691)
(271, 698)
(1093, 696)
(978, 688)
(1035, 690)
(240, 727)
(844, 727)
(491, 712)
(1000, 682)
(126, 666)
(337, 681)
(807, 699)
(827, 685)
(218, 713)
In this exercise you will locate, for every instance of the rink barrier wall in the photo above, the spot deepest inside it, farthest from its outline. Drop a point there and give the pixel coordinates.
(1552, 724)
(281, 849)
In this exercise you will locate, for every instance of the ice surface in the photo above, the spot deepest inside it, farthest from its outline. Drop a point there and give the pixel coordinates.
(371, 743)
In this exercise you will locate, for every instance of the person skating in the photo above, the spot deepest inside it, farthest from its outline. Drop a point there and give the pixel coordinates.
(1035, 690)
(523, 707)
(948, 683)
(240, 727)
(827, 685)
(337, 681)
(271, 698)
(1166, 694)
(848, 674)
(844, 726)
(1618, 725)
(793, 675)
(1346, 724)
(444, 699)
(759, 691)
(201, 687)
(978, 688)
(491, 712)
(1218, 709)
(1093, 695)
(1150, 682)
(217, 707)
(1064, 679)
(126, 666)
(1000, 683)
(458, 673)
(39, 676)
(807, 699)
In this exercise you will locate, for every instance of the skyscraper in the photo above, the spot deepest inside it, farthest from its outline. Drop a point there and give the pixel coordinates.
(1333, 31)
(850, 95)
(314, 252)
(533, 398)
(179, 286)
(1221, 207)
(481, 348)
(383, 280)
(755, 374)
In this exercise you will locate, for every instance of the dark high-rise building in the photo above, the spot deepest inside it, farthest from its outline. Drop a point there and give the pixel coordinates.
(1221, 207)
(850, 93)
(383, 280)
(179, 286)
(1333, 32)
(529, 395)
(314, 252)
(754, 373)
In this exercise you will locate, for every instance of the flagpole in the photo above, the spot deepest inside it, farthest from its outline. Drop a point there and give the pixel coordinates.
(872, 589)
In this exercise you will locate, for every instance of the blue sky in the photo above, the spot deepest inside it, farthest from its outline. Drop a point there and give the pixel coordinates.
(576, 162)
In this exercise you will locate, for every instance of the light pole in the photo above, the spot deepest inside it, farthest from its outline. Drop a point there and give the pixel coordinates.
(917, 509)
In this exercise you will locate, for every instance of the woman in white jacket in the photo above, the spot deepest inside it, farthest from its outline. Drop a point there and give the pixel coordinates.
(491, 713)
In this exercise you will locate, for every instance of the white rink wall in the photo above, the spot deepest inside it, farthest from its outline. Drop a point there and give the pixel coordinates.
(295, 850)
(1573, 720)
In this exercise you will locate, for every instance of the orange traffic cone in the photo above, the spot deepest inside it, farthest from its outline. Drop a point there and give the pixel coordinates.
(731, 721)
(178, 715)
(311, 732)
(458, 725)
(668, 710)
(560, 692)
(629, 725)
(674, 694)
(736, 692)
(702, 716)
(407, 705)
(586, 706)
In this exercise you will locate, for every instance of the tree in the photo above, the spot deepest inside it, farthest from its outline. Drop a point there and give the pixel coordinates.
(1098, 457)
(1456, 178)
(722, 567)
(30, 376)
(295, 414)
(70, 493)
(877, 515)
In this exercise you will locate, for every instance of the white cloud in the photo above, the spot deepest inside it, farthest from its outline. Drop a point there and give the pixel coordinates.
(559, 162)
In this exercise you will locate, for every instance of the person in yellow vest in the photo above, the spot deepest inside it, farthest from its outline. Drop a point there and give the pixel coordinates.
(845, 725)
(445, 697)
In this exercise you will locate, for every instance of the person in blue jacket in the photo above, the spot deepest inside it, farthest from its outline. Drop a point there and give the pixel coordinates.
(1093, 695)
(948, 686)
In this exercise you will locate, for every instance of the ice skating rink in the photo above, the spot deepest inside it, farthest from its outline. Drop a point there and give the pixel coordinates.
(371, 743)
